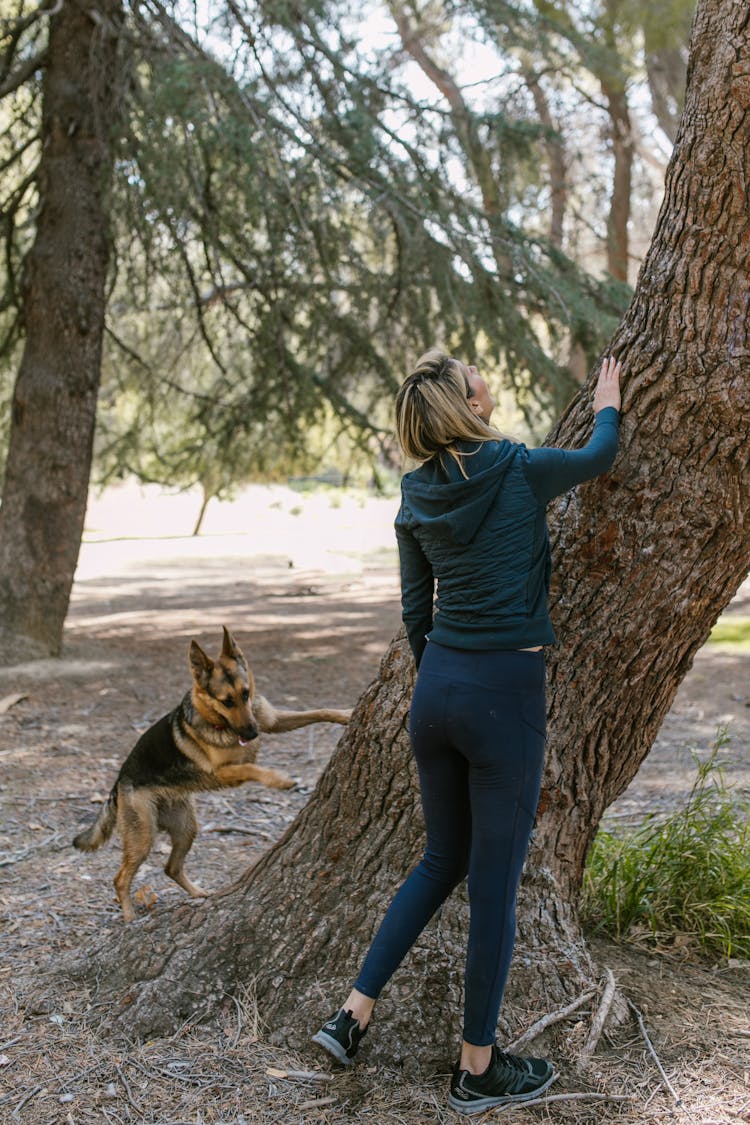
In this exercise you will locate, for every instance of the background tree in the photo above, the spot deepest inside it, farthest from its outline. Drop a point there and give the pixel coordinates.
(599, 56)
(646, 558)
(559, 105)
(54, 401)
(666, 27)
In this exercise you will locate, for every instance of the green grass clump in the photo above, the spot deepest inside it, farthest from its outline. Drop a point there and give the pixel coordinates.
(682, 880)
(732, 630)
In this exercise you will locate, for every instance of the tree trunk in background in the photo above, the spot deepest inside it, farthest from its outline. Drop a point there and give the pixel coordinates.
(557, 162)
(618, 240)
(645, 559)
(665, 70)
(54, 402)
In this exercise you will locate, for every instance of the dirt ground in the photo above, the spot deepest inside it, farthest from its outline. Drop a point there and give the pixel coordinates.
(308, 585)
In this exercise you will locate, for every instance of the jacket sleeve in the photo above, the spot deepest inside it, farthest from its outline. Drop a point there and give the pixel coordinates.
(417, 590)
(550, 472)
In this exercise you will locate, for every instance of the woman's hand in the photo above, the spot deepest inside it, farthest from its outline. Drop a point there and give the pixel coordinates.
(607, 391)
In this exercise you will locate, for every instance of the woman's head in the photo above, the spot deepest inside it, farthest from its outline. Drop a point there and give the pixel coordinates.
(441, 402)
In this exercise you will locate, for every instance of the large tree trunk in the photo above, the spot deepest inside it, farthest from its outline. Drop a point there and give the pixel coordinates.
(54, 402)
(645, 557)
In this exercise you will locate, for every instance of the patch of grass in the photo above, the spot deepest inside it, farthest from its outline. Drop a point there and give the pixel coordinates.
(732, 630)
(682, 880)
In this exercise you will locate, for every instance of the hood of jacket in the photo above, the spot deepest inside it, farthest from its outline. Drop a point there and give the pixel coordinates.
(439, 499)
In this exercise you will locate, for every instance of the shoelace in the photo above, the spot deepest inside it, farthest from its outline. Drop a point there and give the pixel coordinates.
(513, 1062)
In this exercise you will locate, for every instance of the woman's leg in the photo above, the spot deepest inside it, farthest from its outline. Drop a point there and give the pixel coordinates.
(443, 776)
(500, 728)
(443, 780)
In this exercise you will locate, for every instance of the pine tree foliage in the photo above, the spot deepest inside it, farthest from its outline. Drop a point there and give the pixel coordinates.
(22, 54)
(290, 226)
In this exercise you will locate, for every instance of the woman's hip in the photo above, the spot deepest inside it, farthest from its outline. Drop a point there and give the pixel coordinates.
(512, 670)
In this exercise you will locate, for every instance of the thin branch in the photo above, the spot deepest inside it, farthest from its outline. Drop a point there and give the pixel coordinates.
(584, 1097)
(16, 28)
(128, 1091)
(18, 153)
(652, 1052)
(26, 1098)
(24, 72)
(163, 379)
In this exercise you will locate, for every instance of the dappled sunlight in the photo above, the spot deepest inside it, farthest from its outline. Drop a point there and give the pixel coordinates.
(323, 564)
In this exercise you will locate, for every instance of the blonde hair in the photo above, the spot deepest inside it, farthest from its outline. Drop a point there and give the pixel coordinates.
(433, 413)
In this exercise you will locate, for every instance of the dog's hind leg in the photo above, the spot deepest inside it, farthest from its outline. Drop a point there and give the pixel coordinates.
(136, 822)
(177, 818)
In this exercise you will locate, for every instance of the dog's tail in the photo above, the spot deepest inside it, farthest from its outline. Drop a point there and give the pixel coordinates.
(100, 831)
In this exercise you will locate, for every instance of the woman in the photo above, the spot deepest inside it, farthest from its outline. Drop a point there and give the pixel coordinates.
(472, 518)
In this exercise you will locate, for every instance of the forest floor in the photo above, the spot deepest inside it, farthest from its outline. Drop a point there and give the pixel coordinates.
(308, 585)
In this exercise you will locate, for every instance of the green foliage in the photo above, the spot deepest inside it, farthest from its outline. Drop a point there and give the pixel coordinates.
(665, 23)
(684, 878)
(20, 113)
(290, 228)
(289, 238)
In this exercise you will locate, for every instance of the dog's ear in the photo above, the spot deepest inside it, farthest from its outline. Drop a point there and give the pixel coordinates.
(230, 648)
(200, 665)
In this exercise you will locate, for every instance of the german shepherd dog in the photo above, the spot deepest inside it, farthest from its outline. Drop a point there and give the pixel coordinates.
(209, 741)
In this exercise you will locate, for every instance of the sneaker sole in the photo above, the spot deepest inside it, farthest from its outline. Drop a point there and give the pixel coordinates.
(333, 1047)
(478, 1105)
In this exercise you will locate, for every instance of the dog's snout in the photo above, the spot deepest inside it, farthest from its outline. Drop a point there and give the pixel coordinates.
(249, 732)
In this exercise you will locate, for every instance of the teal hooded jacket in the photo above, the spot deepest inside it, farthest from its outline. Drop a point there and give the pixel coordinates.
(484, 539)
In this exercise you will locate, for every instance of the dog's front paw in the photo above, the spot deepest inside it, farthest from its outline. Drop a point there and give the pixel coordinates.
(281, 780)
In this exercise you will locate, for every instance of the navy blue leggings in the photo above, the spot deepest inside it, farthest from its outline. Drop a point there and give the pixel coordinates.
(477, 727)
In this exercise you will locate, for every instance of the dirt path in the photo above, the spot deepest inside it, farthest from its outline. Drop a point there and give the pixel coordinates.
(314, 612)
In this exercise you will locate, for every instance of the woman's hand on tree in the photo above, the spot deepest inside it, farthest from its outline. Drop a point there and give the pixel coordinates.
(607, 391)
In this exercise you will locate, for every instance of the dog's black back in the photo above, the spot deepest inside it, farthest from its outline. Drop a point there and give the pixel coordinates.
(157, 761)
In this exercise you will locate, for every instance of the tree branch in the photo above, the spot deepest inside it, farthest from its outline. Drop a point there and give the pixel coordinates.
(24, 73)
(15, 28)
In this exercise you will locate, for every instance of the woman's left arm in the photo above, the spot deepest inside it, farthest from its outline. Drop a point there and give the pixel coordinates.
(417, 591)
(550, 472)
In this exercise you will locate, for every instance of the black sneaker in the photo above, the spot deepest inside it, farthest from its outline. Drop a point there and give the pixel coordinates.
(340, 1036)
(508, 1079)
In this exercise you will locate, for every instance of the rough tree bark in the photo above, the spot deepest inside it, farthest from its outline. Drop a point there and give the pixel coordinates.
(54, 401)
(645, 557)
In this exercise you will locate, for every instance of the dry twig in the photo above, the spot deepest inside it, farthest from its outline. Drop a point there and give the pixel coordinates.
(597, 1026)
(26, 1098)
(582, 1097)
(652, 1052)
(550, 1019)
(317, 1103)
(9, 701)
(128, 1091)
